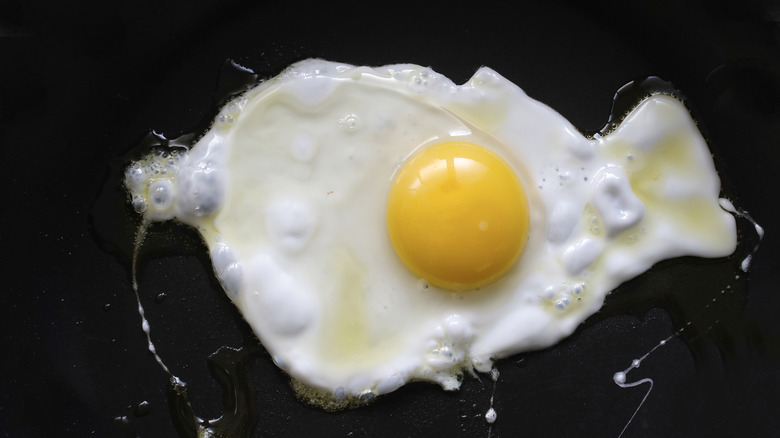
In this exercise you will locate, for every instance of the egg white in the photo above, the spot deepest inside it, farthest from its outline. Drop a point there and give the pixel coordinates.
(289, 186)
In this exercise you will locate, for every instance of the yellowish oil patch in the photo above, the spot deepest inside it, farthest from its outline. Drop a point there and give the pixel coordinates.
(648, 171)
(347, 339)
(672, 155)
(486, 118)
(696, 216)
(347, 324)
(626, 155)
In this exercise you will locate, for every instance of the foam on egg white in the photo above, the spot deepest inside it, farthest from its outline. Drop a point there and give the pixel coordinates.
(290, 187)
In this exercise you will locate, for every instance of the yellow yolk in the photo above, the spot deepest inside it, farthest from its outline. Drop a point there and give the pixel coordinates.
(457, 216)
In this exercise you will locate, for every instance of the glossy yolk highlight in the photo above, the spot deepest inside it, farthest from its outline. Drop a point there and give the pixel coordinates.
(457, 215)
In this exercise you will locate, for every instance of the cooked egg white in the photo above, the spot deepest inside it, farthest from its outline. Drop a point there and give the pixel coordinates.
(381, 225)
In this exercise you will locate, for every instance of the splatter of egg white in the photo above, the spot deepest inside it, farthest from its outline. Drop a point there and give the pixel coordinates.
(380, 225)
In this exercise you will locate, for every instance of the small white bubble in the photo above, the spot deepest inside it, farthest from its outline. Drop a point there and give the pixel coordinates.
(139, 204)
(349, 122)
(161, 194)
(619, 377)
(562, 303)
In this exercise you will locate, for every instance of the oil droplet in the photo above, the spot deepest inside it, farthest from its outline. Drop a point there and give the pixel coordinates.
(491, 416)
(141, 409)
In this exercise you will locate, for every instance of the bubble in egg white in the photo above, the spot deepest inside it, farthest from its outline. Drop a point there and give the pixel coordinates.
(161, 194)
(289, 190)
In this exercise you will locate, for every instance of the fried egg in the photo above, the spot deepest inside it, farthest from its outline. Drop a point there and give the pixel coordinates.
(376, 226)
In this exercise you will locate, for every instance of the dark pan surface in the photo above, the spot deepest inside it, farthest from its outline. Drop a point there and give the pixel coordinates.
(82, 84)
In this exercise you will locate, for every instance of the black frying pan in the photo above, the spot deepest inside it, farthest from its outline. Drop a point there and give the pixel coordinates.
(82, 85)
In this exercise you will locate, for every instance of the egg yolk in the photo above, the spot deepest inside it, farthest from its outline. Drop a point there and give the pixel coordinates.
(457, 215)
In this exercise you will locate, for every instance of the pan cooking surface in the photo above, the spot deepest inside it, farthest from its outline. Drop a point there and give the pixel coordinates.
(83, 86)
